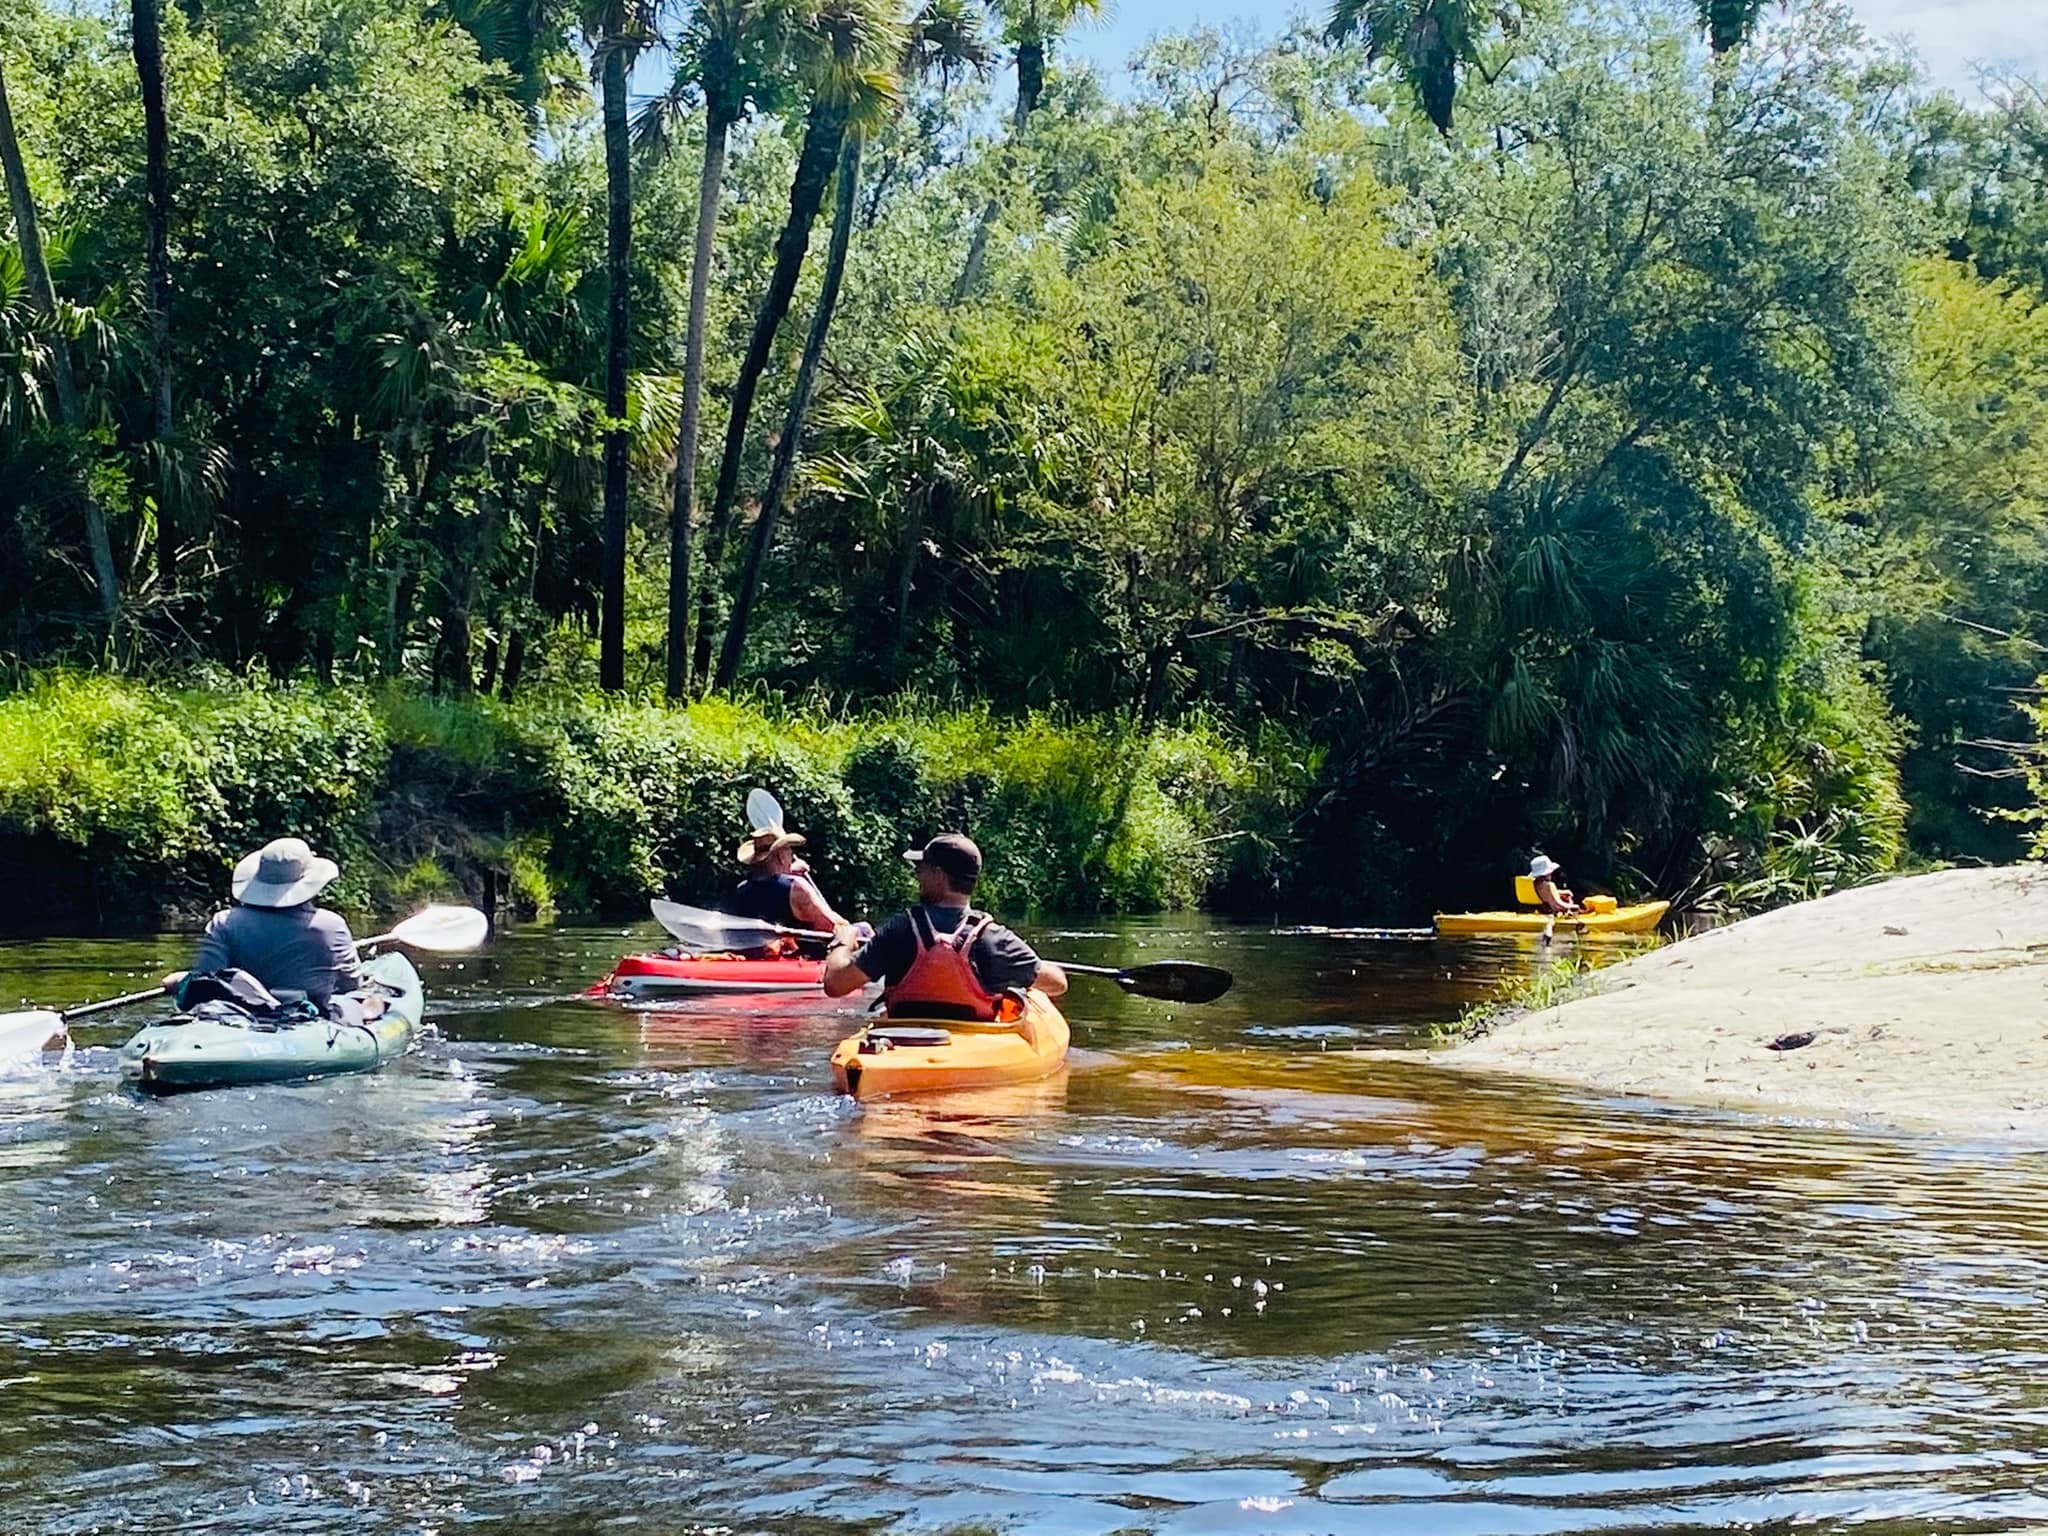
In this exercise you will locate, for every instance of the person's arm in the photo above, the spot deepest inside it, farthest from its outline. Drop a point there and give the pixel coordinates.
(843, 973)
(341, 952)
(212, 954)
(810, 908)
(1009, 962)
(851, 963)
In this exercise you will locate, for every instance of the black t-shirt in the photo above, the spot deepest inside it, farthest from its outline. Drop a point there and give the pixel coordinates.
(1000, 959)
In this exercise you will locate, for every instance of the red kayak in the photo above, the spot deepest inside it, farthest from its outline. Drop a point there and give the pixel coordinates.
(685, 975)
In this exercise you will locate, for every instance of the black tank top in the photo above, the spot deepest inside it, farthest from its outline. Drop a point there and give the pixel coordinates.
(765, 898)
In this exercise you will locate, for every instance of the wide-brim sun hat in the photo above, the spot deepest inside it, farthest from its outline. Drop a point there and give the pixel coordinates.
(282, 873)
(763, 841)
(1543, 865)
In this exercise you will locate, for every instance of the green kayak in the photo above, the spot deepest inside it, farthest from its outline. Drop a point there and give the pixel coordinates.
(222, 1052)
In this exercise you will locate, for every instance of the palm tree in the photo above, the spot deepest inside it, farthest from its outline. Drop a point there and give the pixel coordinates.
(1728, 23)
(43, 296)
(732, 55)
(1428, 41)
(848, 47)
(617, 30)
(146, 37)
(944, 36)
(1030, 27)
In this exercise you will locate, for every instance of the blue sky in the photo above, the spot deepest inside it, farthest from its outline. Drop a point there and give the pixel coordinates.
(1951, 35)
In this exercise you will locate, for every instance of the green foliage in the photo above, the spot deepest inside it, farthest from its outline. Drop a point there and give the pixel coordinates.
(1647, 464)
(144, 797)
(130, 797)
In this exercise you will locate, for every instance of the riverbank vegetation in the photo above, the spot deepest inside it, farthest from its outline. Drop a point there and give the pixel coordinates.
(121, 802)
(1625, 432)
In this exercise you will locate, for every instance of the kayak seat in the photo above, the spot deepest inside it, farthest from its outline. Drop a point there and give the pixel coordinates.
(1525, 892)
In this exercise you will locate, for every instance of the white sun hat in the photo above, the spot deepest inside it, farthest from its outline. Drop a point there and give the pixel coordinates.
(282, 873)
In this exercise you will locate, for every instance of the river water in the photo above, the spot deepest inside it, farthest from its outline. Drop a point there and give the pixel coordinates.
(586, 1269)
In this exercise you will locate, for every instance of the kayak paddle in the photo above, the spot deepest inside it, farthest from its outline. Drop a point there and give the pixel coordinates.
(763, 810)
(1173, 981)
(703, 930)
(437, 930)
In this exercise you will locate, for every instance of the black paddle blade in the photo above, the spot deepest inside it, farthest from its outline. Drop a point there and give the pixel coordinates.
(1176, 981)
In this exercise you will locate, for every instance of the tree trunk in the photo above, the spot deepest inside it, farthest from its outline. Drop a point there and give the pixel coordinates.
(146, 30)
(398, 619)
(799, 407)
(822, 138)
(710, 191)
(43, 293)
(611, 638)
(1030, 88)
(913, 535)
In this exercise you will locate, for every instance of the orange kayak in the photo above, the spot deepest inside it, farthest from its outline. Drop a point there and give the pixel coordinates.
(902, 1055)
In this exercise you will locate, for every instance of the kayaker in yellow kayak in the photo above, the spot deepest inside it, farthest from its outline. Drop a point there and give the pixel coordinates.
(779, 888)
(1552, 897)
(276, 932)
(941, 959)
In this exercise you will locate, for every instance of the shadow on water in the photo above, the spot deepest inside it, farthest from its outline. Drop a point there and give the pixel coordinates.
(579, 1266)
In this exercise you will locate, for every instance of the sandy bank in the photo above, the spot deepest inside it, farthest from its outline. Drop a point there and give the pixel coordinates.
(1927, 1000)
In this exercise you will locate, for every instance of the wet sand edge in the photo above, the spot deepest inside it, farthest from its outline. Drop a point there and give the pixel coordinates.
(1917, 1003)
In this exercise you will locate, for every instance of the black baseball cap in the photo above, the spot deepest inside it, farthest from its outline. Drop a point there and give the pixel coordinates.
(953, 854)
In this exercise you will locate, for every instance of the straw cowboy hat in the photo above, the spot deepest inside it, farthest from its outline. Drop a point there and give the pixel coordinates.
(283, 873)
(763, 841)
(1543, 864)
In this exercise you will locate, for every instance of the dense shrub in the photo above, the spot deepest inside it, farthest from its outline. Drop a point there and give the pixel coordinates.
(133, 801)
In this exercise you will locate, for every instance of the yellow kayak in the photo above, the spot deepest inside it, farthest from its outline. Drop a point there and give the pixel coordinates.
(900, 1055)
(1639, 918)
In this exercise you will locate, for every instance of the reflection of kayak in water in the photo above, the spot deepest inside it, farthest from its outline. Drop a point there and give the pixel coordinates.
(645, 976)
(966, 1117)
(909, 1055)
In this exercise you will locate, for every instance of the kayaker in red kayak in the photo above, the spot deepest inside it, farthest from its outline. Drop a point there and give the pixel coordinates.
(941, 959)
(779, 888)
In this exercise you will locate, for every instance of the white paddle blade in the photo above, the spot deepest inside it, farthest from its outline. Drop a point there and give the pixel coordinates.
(443, 930)
(763, 810)
(28, 1034)
(702, 930)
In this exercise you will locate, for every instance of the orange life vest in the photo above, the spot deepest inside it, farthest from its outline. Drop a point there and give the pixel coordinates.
(941, 982)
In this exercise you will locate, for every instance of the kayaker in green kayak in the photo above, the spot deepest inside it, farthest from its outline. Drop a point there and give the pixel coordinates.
(940, 958)
(276, 931)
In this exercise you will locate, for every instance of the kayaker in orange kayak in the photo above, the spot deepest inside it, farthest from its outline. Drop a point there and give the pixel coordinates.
(779, 888)
(1543, 874)
(941, 959)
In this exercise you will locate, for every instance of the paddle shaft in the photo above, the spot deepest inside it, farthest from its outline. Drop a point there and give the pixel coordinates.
(1172, 980)
(114, 1002)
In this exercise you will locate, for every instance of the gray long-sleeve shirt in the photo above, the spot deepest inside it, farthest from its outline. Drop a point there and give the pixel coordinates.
(289, 949)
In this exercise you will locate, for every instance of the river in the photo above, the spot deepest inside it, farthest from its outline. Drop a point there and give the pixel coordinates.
(586, 1269)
